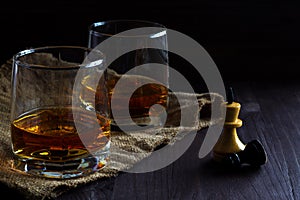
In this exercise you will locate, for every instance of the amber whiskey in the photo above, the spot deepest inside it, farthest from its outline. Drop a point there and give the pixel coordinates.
(50, 134)
(140, 101)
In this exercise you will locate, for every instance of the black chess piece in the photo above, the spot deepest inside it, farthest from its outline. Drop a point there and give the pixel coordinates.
(253, 155)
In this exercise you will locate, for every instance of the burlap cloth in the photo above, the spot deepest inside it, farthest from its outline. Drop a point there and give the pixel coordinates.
(41, 188)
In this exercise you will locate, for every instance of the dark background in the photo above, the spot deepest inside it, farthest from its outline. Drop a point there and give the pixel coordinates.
(247, 39)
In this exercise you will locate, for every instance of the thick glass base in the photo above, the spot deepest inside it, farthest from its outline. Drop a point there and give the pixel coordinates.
(64, 170)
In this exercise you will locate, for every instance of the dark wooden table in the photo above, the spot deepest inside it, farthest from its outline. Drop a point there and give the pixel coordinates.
(270, 113)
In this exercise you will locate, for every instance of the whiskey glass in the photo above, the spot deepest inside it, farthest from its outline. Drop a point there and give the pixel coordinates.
(52, 134)
(137, 72)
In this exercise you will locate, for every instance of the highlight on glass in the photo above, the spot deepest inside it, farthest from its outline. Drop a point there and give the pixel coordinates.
(51, 135)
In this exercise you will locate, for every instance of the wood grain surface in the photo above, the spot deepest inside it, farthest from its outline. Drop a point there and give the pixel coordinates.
(270, 112)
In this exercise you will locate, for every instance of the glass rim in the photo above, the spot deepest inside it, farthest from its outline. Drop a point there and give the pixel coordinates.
(92, 28)
(25, 52)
